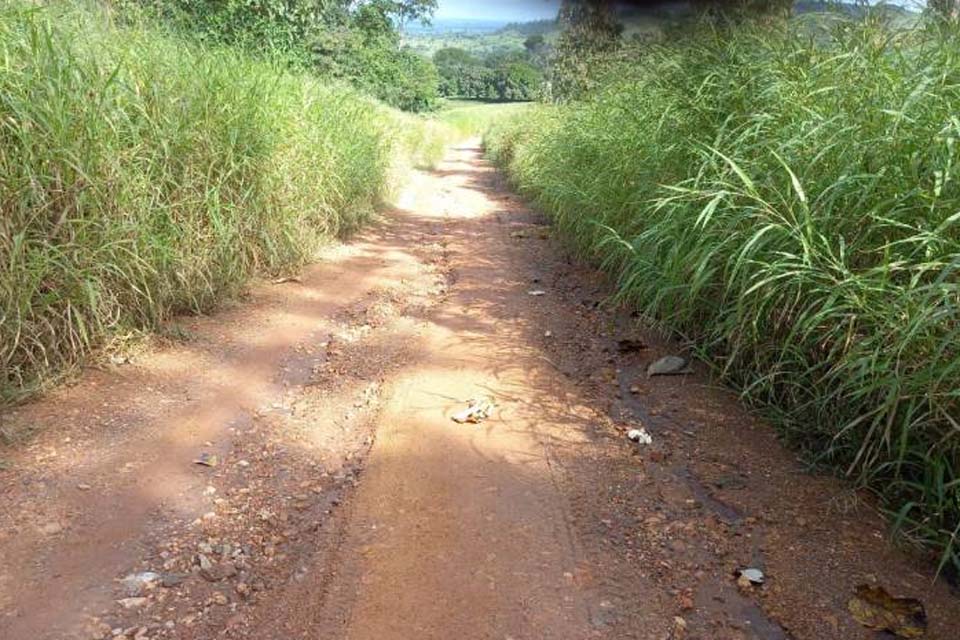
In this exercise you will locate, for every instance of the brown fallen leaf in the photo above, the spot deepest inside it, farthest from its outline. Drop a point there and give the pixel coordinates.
(876, 609)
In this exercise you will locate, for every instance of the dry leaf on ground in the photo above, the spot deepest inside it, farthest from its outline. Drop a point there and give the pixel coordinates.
(876, 609)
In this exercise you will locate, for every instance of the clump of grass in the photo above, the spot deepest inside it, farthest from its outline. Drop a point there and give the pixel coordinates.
(144, 176)
(787, 196)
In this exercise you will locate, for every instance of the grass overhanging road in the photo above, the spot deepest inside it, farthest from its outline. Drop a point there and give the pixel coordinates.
(144, 175)
(784, 195)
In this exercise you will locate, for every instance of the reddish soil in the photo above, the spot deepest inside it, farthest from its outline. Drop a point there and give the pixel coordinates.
(345, 503)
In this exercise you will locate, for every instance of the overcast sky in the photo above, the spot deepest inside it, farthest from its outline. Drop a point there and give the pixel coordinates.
(509, 10)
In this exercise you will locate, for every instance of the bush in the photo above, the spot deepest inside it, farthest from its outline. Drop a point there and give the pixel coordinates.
(143, 176)
(337, 39)
(402, 78)
(787, 196)
(509, 77)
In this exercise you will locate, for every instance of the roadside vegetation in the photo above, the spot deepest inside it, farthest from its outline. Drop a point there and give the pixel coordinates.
(784, 195)
(473, 118)
(146, 174)
(504, 77)
(346, 40)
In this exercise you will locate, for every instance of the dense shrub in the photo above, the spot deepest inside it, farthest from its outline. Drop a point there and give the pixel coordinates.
(402, 78)
(511, 77)
(142, 176)
(787, 195)
(355, 41)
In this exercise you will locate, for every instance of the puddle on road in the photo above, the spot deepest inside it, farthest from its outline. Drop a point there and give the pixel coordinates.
(626, 377)
(298, 368)
(727, 513)
(723, 602)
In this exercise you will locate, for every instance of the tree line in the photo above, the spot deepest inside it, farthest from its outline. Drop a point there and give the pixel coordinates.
(511, 76)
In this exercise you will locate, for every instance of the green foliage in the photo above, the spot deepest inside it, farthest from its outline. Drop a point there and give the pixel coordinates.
(498, 77)
(518, 81)
(401, 78)
(278, 26)
(144, 176)
(471, 118)
(461, 74)
(789, 201)
(405, 10)
(590, 32)
(535, 43)
(342, 39)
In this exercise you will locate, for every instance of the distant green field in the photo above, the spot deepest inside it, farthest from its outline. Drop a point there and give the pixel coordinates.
(479, 44)
(474, 117)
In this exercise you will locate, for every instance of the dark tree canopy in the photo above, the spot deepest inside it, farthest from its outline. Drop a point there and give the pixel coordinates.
(590, 30)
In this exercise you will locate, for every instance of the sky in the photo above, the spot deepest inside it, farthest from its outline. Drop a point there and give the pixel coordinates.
(522, 10)
(505, 10)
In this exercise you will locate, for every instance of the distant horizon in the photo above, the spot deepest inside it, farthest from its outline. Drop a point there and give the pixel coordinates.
(488, 20)
(497, 10)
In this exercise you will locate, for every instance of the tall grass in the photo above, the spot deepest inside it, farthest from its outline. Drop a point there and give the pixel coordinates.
(142, 176)
(471, 118)
(788, 198)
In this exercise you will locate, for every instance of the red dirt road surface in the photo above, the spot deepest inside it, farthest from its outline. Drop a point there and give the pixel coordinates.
(340, 500)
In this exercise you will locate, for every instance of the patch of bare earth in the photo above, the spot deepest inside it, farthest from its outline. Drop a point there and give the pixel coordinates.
(341, 501)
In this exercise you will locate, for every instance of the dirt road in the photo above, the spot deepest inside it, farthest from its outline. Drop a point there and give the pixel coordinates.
(339, 500)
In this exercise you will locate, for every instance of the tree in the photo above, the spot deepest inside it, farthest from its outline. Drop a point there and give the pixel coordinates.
(948, 10)
(453, 65)
(357, 40)
(534, 44)
(589, 33)
(518, 81)
(374, 22)
(452, 57)
(406, 10)
(380, 17)
(501, 76)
